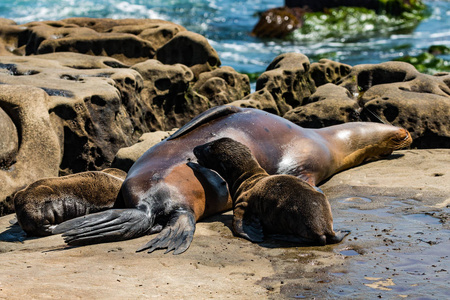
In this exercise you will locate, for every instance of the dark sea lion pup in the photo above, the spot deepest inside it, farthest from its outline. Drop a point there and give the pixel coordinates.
(283, 205)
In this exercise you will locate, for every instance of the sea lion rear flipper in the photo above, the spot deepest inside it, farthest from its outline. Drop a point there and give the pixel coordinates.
(249, 228)
(177, 235)
(107, 226)
(338, 237)
(205, 117)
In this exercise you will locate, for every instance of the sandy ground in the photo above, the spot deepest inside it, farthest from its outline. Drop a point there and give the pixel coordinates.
(397, 210)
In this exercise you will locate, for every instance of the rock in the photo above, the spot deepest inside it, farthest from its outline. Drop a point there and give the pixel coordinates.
(108, 90)
(97, 110)
(39, 152)
(329, 105)
(222, 85)
(391, 92)
(278, 22)
(9, 143)
(329, 18)
(285, 83)
(129, 40)
(127, 156)
(190, 49)
(328, 71)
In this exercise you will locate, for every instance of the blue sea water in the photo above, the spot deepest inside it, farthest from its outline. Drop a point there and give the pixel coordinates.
(227, 25)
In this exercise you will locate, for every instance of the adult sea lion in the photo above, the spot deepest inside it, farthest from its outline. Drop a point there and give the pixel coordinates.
(280, 204)
(162, 193)
(50, 201)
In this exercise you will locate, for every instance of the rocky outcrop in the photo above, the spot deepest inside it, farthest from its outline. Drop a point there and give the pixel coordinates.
(103, 83)
(39, 154)
(391, 92)
(285, 84)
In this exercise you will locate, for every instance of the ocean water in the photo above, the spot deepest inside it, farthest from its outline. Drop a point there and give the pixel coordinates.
(227, 25)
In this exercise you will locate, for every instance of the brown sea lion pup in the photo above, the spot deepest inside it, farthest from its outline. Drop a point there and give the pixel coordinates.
(162, 193)
(280, 204)
(50, 201)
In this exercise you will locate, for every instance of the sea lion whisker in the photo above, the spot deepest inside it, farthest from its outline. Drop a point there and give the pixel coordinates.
(377, 116)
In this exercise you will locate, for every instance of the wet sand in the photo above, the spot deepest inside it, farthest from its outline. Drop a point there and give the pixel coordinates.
(397, 209)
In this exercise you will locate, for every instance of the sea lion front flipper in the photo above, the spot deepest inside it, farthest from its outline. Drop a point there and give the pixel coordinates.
(249, 228)
(106, 226)
(177, 235)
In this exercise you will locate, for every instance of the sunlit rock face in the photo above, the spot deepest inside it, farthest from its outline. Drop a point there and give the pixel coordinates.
(99, 85)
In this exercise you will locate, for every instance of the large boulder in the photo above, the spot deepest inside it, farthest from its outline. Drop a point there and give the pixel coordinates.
(39, 153)
(285, 84)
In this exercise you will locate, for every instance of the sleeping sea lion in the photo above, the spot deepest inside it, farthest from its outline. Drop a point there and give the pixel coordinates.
(280, 204)
(162, 193)
(50, 201)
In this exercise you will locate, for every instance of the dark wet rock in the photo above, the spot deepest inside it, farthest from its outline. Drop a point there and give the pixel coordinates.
(279, 22)
(321, 18)
(39, 154)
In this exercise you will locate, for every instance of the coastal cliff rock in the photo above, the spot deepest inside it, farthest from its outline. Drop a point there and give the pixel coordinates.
(103, 83)
(391, 92)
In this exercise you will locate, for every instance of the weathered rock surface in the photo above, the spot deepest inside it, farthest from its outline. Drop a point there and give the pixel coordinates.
(104, 89)
(39, 154)
(327, 93)
(127, 156)
(285, 84)
(391, 92)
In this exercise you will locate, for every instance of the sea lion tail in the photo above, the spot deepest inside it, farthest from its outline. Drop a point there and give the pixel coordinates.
(107, 226)
(177, 235)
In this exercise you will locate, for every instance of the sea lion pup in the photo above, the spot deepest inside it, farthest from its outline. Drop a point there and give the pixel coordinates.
(47, 202)
(162, 193)
(280, 204)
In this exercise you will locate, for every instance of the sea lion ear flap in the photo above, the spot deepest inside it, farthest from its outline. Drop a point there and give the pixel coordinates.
(249, 228)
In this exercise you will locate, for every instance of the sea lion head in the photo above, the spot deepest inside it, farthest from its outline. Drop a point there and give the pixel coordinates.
(391, 138)
(228, 157)
(292, 210)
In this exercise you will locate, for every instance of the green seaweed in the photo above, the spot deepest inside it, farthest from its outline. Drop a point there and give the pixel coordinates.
(429, 63)
(357, 22)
